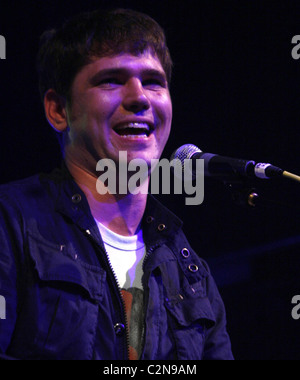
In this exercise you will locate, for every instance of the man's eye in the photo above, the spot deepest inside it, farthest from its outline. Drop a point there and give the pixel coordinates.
(109, 82)
(154, 83)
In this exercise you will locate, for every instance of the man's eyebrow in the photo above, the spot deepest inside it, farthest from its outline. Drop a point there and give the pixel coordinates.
(147, 72)
(155, 73)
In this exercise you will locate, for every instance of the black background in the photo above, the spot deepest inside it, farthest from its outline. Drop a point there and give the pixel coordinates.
(235, 92)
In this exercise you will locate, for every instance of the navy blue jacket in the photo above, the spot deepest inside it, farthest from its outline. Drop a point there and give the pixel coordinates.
(62, 300)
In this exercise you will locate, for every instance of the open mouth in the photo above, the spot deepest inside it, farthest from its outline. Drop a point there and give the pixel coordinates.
(134, 130)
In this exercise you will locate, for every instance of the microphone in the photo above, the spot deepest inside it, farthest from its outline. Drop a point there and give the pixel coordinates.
(225, 167)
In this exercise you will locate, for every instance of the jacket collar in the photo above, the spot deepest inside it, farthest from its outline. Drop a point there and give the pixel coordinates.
(158, 223)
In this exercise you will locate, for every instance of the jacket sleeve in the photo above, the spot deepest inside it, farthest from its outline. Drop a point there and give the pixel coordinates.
(11, 247)
(217, 341)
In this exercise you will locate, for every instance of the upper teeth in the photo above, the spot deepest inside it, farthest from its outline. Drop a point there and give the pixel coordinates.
(134, 125)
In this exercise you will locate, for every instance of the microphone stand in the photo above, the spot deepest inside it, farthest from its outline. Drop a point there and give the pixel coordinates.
(242, 193)
(245, 194)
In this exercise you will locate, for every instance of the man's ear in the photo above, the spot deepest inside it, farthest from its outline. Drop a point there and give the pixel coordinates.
(55, 110)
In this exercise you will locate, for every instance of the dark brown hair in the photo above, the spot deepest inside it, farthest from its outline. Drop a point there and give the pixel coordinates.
(63, 52)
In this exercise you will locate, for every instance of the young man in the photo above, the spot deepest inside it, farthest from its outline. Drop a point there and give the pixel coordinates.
(94, 275)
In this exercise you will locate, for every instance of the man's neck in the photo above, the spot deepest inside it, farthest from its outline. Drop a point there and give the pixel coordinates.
(120, 213)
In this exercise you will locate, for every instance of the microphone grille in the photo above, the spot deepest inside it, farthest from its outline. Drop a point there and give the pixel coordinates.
(185, 152)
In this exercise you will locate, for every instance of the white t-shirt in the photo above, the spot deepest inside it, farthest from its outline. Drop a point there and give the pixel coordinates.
(126, 255)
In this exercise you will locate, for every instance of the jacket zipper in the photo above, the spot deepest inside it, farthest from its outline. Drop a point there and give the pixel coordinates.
(122, 303)
(148, 253)
(115, 279)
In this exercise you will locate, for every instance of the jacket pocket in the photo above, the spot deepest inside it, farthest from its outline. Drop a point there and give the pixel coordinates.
(190, 315)
(54, 262)
(61, 304)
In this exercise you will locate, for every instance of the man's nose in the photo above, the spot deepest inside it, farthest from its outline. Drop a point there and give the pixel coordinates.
(134, 97)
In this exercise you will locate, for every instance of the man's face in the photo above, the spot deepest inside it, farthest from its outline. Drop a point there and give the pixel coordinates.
(119, 103)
